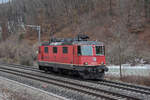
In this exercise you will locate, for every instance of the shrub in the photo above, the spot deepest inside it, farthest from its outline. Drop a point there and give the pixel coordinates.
(14, 50)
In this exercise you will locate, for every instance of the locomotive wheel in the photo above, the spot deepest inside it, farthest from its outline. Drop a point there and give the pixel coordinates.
(46, 69)
(60, 71)
(65, 72)
(101, 76)
(40, 67)
(83, 76)
(86, 76)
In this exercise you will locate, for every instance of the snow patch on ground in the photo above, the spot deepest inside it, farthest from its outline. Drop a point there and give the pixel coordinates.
(127, 69)
(131, 67)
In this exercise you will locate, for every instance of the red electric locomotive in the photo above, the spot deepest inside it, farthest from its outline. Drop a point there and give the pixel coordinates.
(73, 56)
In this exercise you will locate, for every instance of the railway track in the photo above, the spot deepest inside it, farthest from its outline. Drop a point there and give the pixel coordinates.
(21, 66)
(99, 93)
(116, 84)
(126, 86)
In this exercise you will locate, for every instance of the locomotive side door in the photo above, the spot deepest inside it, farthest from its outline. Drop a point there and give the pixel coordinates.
(46, 54)
(39, 54)
(55, 51)
(67, 54)
(76, 55)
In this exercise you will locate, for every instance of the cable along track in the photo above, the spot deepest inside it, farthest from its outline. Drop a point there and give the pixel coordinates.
(96, 92)
(125, 86)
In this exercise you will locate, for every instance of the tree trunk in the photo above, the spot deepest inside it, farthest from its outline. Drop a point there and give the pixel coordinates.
(110, 7)
(120, 61)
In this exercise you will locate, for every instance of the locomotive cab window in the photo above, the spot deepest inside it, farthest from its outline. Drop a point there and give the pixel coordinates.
(46, 49)
(54, 49)
(85, 50)
(100, 50)
(65, 50)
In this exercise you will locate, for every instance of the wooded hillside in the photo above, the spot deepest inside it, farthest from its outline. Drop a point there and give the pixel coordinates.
(123, 25)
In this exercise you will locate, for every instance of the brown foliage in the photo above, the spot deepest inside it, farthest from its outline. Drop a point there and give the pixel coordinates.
(14, 50)
(118, 23)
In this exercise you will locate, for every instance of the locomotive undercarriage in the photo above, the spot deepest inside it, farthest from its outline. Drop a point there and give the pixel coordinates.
(86, 72)
(94, 72)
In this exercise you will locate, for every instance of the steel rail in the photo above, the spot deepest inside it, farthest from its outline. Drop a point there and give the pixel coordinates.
(124, 86)
(146, 89)
(21, 66)
(76, 84)
(57, 84)
(127, 86)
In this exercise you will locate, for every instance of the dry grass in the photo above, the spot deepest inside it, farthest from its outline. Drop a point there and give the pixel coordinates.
(141, 80)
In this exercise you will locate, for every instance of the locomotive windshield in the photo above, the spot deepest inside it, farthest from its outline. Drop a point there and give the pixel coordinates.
(85, 50)
(100, 50)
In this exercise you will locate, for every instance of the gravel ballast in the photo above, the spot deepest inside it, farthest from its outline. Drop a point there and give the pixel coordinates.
(67, 93)
(9, 87)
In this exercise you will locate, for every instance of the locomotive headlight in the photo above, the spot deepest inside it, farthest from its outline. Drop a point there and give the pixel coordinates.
(100, 70)
(102, 63)
(86, 63)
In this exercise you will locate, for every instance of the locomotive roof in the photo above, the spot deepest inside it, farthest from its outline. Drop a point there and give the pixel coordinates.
(46, 43)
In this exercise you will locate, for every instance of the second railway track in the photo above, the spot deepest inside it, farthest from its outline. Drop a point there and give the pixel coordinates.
(99, 93)
(126, 86)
